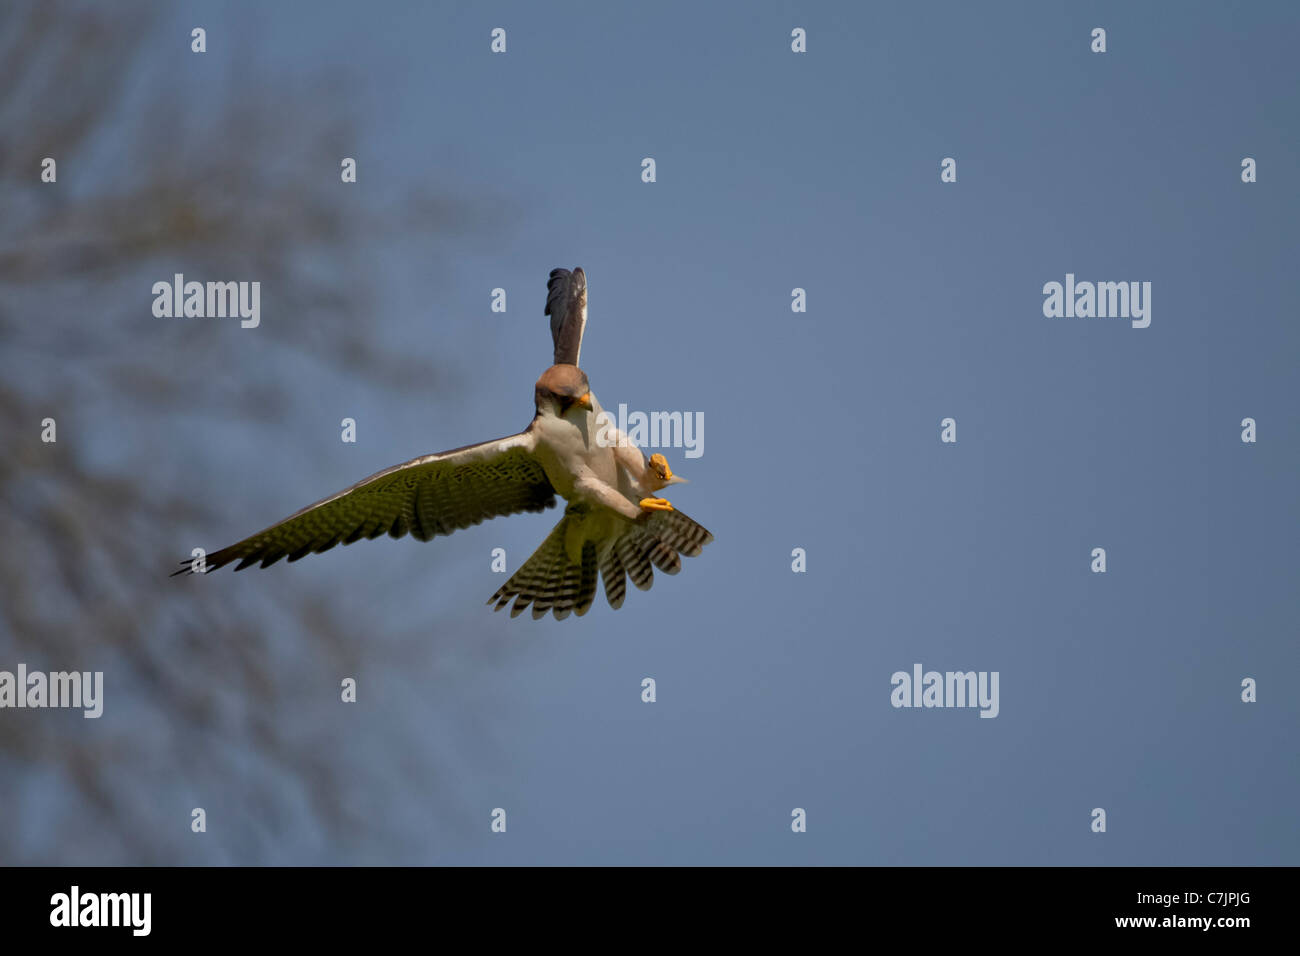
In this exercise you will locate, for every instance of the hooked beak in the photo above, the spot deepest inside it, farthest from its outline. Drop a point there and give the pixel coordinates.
(584, 401)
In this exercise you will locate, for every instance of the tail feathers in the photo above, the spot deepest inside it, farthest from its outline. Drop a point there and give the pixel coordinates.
(615, 578)
(678, 532)
(550, 581)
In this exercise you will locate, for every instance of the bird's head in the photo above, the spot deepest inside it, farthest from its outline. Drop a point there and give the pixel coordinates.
(563, 390)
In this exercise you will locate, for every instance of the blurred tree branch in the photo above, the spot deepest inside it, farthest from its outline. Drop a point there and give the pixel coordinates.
(195, 699)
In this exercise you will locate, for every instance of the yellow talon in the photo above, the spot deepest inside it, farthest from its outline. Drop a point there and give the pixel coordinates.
(656, 504)
(660, 465)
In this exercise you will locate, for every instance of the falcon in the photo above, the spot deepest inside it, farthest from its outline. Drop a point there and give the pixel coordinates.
(614, 527)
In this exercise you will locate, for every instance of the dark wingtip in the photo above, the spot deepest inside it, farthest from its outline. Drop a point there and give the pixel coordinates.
(187, 567)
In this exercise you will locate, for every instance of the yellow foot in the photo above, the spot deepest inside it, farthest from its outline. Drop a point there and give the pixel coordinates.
(656, 504)
(659, 464)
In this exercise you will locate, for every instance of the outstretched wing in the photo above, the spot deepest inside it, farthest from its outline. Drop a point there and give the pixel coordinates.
(566, 304)
(561, 575)
(427, 496)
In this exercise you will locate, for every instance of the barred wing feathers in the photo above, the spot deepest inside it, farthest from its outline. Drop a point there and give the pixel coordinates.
(428, 496)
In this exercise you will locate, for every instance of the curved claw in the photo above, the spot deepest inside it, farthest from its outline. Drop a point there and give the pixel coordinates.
(660, 465)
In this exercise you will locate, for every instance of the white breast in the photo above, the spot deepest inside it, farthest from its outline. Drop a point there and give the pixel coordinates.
(567, 448)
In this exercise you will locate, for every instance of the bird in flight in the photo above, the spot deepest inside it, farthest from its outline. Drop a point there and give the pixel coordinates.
(614, 526)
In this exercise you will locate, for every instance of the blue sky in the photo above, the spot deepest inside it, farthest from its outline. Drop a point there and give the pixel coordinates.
(821, 171)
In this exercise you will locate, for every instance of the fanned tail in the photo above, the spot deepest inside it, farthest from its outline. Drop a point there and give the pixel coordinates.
(551, 581)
